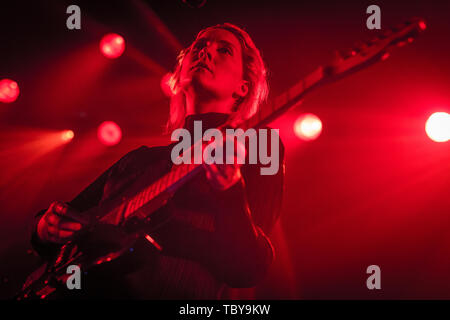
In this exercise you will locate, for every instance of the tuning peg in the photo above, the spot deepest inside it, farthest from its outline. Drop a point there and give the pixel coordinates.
(420, 22)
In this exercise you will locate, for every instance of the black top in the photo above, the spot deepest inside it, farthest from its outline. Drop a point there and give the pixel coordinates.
(216, 238)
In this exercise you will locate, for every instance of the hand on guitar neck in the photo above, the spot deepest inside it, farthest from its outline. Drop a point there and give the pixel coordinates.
(58, 224)
(223, 176)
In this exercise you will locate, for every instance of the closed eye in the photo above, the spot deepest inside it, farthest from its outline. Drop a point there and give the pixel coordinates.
(225, 50)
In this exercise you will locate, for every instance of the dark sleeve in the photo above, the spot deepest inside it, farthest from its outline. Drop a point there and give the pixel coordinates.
(86, 199)
(239, 251)
(253, 209)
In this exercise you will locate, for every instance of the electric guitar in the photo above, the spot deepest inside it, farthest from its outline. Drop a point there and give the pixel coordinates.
(112, 228)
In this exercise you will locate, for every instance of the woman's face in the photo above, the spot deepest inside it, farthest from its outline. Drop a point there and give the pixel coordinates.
(213, 65)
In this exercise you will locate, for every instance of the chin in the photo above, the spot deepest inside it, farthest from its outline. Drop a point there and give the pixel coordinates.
(200, 84)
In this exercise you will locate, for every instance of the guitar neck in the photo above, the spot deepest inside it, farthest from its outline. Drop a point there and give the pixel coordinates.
(285, 101)
(151, 197)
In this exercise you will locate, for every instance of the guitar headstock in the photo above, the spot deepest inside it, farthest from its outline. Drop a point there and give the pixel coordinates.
(361, 56)
(368, 52)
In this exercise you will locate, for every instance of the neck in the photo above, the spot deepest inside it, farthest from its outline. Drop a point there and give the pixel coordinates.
(196, 104)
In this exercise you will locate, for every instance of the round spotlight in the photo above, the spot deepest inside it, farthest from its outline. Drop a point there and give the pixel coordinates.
(422, 25)
(112, 45)
(308, 127)
(9, 90)
(437, 127)
(109, 133)
(67, 135)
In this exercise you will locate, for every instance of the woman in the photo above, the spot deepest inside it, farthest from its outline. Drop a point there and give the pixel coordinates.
(217, 237)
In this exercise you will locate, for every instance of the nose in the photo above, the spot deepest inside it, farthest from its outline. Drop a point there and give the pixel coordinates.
(205, 52)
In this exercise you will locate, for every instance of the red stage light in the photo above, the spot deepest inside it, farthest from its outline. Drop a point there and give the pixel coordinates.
(422, 25)
(9, 91)
(437, 127)
(112, 45)
(67, 135)
(308, 127)
(109, 133)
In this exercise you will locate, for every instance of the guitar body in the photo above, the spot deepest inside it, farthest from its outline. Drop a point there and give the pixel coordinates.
(99, 248)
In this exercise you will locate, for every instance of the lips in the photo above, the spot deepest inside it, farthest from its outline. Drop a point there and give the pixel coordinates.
(201, 65)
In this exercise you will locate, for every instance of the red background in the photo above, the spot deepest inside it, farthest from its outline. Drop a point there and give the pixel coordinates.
(372, 189)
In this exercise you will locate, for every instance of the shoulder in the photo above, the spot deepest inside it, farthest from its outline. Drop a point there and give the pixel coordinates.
(146, 151)
(141, 155)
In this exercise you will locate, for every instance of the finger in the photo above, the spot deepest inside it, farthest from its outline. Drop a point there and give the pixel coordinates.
(65, 235)
(69, 225)
(225, 173)
(57, 235)
(63, 223)
(208, 172)
(52, 219)
(218, 175)
(52, 234)
(212, 169)
(58, 208)
(64, 210)
(60, 240)
(229, 172)
(214, 177)
(226, 170)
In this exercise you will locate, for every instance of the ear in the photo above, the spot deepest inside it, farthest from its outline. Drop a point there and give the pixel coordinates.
(242, 90)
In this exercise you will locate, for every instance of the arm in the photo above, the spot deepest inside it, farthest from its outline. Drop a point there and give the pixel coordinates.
(88, 198)
(253, 207)
(238, 252)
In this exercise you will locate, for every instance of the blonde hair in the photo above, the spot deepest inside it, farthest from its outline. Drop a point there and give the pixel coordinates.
(254, 71)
